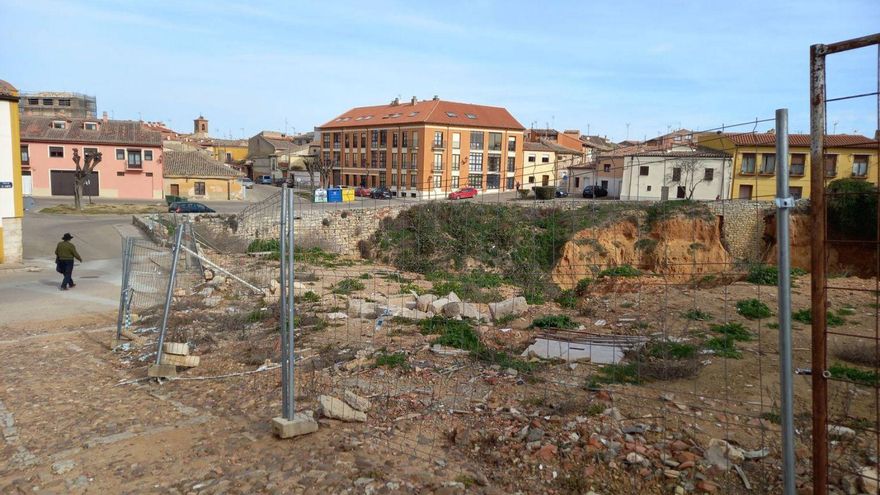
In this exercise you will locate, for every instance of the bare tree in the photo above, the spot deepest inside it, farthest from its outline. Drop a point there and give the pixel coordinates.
(324, 169)
(82, 173)
(691, 173)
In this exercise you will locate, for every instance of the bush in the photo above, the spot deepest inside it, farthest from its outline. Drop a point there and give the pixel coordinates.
(263, 245)
(438, 325)
(697, 315)
(309, 297)
(468, 286)
(545, 192)
(724, 347)
(554, 321)
(347, 286)
(567, 299)
(668, 360)
(523, 193)
(850, 202)
(752, 309)
(670, 350)
(805, 316)
(733, 330)
(855, 375)
(583, 286)
(616, 373)
(768, 274)
(619, 271)
(393, 360)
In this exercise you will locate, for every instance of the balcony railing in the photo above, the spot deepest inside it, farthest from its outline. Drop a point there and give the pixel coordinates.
(438, 167)
(438, 145)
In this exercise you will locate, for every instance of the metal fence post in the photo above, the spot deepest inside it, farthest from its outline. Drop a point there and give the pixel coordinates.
(169, 293)
(127, 248)
(783, 245)
(286, 412)
(291, 359)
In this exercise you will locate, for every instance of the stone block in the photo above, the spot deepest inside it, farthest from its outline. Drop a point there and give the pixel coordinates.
(301, 424)
(452, 309)
(423, 303)
(356, 401)
(437, 305)
(175, 360)
(162, 371)
(514, 306)
(179, 348)
(334, 408)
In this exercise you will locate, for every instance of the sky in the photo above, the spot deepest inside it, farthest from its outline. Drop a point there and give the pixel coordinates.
(624, 69)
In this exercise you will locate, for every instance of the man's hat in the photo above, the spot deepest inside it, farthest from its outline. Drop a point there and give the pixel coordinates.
(66, 237)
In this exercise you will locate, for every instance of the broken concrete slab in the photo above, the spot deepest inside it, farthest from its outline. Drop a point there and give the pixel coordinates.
(423, 303)
(334, 408)
(175, 360)
(453, 297)
(437, 305)
(162, 371)
(514, 306)
(413, 314)
(356, 401)
(179, 348)
(302, 424)
(471, 311)
(359, 308)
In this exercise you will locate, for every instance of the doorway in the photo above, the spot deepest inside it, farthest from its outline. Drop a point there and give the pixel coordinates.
(745, 191)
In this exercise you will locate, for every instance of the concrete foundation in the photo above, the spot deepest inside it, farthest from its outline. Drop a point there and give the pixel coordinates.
(301, 424)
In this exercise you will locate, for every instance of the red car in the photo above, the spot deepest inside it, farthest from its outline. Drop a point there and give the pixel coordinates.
(467, 192)
(362, 192)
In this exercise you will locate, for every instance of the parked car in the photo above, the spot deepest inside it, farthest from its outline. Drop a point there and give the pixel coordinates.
(246, 182)
(188, 207)
(362, 192)
(466, 192)
(380, 193)
(595, 192)
(264, 179)
(561, 193)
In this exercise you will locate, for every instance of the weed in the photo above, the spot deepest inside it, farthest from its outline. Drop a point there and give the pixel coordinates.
(627, 304)
(392, 360)
(595, 409)
(534, 298)
(256, 315)
(554, 321)
(583, 286)
(567, 299)
(437, 325)
(347, 286)
(768, 274)
(735, 331)
(772, 416)
(670, 350)
(620, 271)
(263, 245)
(805, 316)
(308, 297)
(752, 309)
(504, 320)
(664, 210)
(365, 276)
(697, 315)
(411, 287)
(855, 375)
(724, 347)
(460, 337)
(402, 320)
(773, 326)
(471, 286)
(617, 373)
(503, 359)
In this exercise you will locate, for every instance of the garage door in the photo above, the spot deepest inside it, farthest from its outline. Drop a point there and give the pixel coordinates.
(62, 183)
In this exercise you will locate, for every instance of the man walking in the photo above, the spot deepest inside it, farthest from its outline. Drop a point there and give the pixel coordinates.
(65, 253)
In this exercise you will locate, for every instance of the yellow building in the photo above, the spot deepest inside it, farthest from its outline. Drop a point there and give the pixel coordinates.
(230, 150)
(848, 156)
(196, 176)
(11, 201)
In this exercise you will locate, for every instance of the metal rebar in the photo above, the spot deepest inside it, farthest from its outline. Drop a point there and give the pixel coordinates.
(291, 359)
(282, 300)
(169, 293)
(783, 245)
(817, 268)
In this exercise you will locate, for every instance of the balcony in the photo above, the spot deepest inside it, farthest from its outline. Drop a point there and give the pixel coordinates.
(438, 146)
(438, 167)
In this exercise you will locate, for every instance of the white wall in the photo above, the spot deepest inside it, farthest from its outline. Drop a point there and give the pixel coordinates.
(7, 195)
(637, 187)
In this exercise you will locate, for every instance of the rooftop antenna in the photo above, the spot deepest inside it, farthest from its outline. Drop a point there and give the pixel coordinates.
(242, 132)
(588, 129)
(141, 119)
(285, 125)
(627, 131)
(834, 131)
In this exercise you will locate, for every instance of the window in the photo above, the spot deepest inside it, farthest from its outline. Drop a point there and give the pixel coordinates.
(476, 162)
(438, 181)
(606, 167)
(90, 151)
(545, 158)
(768, 163)
(531, 158)
(456, 162)
(363, 159)
(59, 124)
(326, 140)
(798, 162)
(393, 161)
(90, 126)
(648, 188)
(830, 165)
(456, 140)
(48, 102)
(451, 114)
(149, 174)
(382, 180)
(403, 138)
(336, 140)
(511, 164)
(676, 174)
(470, 116)
(374, 159)
(604, 184)
(200, 188)
(643, 170)
(393, 179)
(374, 139)
(494, 142)
(681, 192)
(56, 152)
(148, 155)
(438, 139)
(455, 182)
(511, 144)
(531, 179)
(438, 161)
(748, 163)
(709, 174)
(383, 138)
(412, 180)
(346, 140)
(415, 139)
(363, 140)
(475, 181)
(33, 101)
(394, 140)
(134, 158)
(414, 163)
(120, 154)
(796, 192)
(494, 163)
(860, 166)
(120, 174)
(476, 140)
(25, 155)
(509, 186)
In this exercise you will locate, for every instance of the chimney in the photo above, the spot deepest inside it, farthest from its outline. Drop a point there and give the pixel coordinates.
(104, 117)
(395, 102)
(436, 98)
(414, 100)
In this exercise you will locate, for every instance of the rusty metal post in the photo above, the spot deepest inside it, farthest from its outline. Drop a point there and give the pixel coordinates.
(817, 268)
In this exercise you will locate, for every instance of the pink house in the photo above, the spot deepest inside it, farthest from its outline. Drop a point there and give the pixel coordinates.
(131, 157)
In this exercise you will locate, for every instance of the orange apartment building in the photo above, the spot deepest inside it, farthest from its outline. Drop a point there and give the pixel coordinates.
(424, 148)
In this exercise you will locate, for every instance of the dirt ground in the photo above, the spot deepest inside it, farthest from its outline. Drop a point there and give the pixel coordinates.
(78, 417)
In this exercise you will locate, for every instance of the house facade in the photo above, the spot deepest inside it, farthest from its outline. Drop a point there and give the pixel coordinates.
(275, 154)
(11, 206)
(131, 165)
(548, 164)
(754, 161)
(197, 176)
(679, 172)
(59, 104)
(424, 148)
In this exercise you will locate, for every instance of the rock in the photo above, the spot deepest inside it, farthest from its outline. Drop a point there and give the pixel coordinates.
(212, 301)
(636, 458)
(511, 372)
(218, 280)
(868, 480)
(471, 311)
(413, 314)
(723, 455)
(356, 401)
(841, 432)
(514, 306)
(756, 454)
(274, 286)
(423, 303)
(333, 408)
(358, 308)
(209, 274)
(452, 309)
(613, 413)
(448, 351)
(62, 467)
(437, 305)
(534, 434)
(453, 297)
(336, 316)
(179, 292)
(706, 487)
(206, 292)
(633, 429)
(671, 474)
(850, 485)
(547, 452)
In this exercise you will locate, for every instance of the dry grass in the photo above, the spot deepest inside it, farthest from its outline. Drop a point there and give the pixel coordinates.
(858, 352)
(105, 209)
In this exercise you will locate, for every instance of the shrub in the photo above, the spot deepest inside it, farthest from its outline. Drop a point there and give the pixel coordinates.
(469, 286)
(263, 245)
(855, 375)
(545, 192)
(752, 309)
(733, 330)
(724, 347)
(670, 350)
(309, 297)
(768, 274)
(257, 315)
(438, 325)
(567, 299)
(619, 271)
(583, 286)
(850, 202)
(697, 315)
(534, 297)
(365, 276)
(554, 321)
(347, 286)
(616, 373)
(392, 360)
(805, 316)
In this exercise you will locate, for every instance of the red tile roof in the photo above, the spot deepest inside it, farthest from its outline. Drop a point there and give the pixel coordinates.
(8, 91)
(800, 140)
(125, 132)
(426, 112)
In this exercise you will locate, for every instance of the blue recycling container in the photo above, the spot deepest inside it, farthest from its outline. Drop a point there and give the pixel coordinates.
(334, 195)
